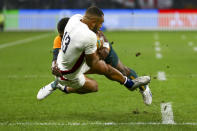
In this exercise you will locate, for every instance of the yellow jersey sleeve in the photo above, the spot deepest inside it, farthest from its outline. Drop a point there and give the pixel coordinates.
(57, 42)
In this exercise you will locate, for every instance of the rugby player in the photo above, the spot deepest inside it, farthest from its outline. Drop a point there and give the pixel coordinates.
(106, 52)
(79, 45)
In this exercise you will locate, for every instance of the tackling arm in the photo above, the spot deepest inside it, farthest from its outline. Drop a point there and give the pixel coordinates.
(103, 52)
(56, 48)
(55, 70)
(100, 67)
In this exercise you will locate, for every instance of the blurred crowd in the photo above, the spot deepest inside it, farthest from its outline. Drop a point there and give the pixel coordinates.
(109, 4)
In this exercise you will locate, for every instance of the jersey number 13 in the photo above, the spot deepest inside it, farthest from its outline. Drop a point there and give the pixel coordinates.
(65, 42)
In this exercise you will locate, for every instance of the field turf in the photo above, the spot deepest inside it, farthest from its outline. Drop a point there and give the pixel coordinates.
(25, 68)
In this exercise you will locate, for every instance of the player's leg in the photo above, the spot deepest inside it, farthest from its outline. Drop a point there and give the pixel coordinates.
(123, 69)
(89, 86)
(128, 72)
(144, 90)
(47, 90)
(133, 75)
(80, 85)
(113, 60)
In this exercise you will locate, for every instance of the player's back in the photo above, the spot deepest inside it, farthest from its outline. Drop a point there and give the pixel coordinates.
(77, 38)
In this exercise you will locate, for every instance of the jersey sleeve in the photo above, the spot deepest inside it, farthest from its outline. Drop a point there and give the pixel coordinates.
(57, 42)
(91, 46)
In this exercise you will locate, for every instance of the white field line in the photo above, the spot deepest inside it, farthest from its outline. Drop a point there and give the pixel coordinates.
(49, 76)
(157, 49)
(23, 41)
(159, 55)
(161, 76)
(25, 76)
(195, 48)
(190, 43)
(157, 43)
(91, 123)
(167, 114)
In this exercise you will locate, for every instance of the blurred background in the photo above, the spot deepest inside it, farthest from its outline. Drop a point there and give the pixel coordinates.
(119, 14)
(107, 4)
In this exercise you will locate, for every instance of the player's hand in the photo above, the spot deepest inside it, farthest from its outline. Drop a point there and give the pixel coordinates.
(55, 70)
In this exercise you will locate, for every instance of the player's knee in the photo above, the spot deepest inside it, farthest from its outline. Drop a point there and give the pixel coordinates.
(95, 88)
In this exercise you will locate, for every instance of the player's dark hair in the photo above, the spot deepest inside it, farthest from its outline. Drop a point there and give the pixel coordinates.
(61, 25)
(93, 10)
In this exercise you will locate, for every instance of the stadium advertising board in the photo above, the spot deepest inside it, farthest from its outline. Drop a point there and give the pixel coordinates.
(115, 19)
(178, 19)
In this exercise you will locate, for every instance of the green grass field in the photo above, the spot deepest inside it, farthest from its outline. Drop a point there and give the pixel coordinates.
(25, 68)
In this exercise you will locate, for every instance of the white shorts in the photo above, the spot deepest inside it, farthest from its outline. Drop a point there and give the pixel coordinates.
(75, 80)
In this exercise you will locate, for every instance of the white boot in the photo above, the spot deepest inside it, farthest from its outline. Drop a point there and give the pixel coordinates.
(147, 95)
(46, 90)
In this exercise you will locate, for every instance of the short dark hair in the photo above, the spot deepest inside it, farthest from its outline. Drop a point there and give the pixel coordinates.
(62, 24)
(93, 10)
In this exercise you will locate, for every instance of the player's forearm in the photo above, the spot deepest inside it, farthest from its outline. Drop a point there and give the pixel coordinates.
(114, 74)
(54, 68)
(111, 73)
(100, 67)
(55, 53)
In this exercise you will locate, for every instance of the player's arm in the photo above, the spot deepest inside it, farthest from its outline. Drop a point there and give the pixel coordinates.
(103, 52)
(100, 67)
(55, 53)
(97, 65)
(54, 67)
(56, 48)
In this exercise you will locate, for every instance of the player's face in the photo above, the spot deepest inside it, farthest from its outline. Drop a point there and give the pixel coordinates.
(98, 24)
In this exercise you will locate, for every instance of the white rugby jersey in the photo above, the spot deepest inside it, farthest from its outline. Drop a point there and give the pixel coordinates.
(77, 41)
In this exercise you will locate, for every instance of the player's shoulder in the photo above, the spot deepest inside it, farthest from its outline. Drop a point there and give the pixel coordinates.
(76, 16)
(90, 33)
(90, 36)
(83, 31)
(86, 32)
(57, 38)
(57, 42)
